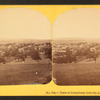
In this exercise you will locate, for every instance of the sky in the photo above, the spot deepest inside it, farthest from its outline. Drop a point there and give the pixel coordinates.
(17, 23)
(80, 22)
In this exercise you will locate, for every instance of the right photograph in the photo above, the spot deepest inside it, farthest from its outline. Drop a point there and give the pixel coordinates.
(76, 47)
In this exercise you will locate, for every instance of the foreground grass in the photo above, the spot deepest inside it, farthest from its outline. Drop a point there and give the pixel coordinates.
(77, 74)
(14, 74)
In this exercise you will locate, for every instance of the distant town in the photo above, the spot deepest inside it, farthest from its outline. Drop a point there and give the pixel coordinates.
(71, 50)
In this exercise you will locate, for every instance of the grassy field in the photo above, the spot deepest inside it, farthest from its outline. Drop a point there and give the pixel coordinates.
(77, 74)
(14, 74)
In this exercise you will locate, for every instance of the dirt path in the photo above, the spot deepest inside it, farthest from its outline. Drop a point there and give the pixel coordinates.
(30, 61)
(27, 61)
(87, 61)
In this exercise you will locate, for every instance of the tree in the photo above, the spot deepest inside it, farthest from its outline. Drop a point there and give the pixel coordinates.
(48, 53)
(35, 55)
(20, 55)
(2, 60)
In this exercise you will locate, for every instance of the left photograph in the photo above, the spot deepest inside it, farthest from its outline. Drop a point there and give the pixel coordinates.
(25, 47)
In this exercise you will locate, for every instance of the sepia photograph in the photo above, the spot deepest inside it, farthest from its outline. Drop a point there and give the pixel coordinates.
(25, 47)
(76, 47)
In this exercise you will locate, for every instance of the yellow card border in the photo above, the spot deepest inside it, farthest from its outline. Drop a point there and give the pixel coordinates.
(50, 89)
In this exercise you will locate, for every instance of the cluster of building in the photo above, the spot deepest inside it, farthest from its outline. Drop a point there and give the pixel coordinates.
(11, 49)
(60, 49)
